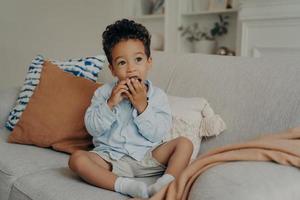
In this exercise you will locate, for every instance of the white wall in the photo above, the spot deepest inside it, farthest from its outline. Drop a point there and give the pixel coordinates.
(57, 29)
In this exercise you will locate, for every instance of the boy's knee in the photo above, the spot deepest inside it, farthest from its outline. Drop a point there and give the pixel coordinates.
(186, 143)
(76, 160)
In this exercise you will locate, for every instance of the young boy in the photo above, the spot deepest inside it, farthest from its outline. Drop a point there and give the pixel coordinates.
(128, 119)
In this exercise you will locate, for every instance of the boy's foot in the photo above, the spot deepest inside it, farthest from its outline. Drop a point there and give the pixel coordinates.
(131, 187)
(159, 184)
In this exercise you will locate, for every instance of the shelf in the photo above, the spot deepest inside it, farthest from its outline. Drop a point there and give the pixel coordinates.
(150, 17)
(208, 12)
(177, 13)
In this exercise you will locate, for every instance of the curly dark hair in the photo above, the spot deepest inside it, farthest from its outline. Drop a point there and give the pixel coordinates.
(123, 30)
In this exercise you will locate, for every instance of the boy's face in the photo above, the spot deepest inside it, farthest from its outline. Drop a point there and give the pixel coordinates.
(129, 60)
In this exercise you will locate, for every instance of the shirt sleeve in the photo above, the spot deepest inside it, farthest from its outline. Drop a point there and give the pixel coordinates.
(156, 120)
(99, 117)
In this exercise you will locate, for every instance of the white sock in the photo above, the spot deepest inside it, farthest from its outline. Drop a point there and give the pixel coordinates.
(161, 182)
(131, 187)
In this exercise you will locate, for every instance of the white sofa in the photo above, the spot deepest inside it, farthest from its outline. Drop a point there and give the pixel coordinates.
(253, 95)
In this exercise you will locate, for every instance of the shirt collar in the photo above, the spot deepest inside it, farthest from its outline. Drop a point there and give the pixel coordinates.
(150, 88)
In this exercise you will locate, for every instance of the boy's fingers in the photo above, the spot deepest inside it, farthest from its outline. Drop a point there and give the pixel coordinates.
(128, 95)
(139, 86)
(131, 88)
(120, 90)
(123, 87)
(118, 87)
(136, 84)
(121, 84)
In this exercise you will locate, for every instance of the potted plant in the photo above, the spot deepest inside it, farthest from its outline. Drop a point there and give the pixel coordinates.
(202, 41)
(220, 27)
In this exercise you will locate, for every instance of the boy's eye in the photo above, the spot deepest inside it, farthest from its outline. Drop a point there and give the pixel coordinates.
(121, 62)
(139, 59)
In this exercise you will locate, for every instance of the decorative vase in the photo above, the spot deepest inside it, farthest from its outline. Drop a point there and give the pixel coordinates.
(158, 7)
(205, 46)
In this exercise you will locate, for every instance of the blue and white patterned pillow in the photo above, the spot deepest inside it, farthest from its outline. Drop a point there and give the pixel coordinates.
(88, 67)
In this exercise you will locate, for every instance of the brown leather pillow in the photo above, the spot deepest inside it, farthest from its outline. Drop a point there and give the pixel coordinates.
(54, 116)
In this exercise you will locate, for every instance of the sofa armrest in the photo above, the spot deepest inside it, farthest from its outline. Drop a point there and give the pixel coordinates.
(7, 101)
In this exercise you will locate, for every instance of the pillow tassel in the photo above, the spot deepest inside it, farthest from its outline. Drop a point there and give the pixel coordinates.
(211, 124)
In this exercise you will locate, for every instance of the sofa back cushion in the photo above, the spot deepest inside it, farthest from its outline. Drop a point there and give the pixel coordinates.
(7, 101)
(253, 95)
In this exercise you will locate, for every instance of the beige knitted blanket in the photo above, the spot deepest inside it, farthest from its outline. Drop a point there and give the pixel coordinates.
(282, 148)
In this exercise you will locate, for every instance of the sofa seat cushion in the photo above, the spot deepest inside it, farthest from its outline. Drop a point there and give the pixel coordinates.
(247, 180)
(18, 160)
(60, 183)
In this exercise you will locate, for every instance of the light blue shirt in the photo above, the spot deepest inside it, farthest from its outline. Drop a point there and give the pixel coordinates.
(121, 131)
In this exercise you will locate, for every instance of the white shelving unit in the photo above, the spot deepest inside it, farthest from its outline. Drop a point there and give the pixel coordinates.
(179, 12)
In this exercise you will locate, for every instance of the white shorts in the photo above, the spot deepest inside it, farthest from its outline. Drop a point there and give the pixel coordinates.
(129, 167)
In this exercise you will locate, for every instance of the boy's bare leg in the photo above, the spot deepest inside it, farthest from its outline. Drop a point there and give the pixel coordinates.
(175, 154)
(93, 169)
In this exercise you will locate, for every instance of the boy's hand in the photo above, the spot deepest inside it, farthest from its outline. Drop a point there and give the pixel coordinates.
(116, 94)
(137, 94)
